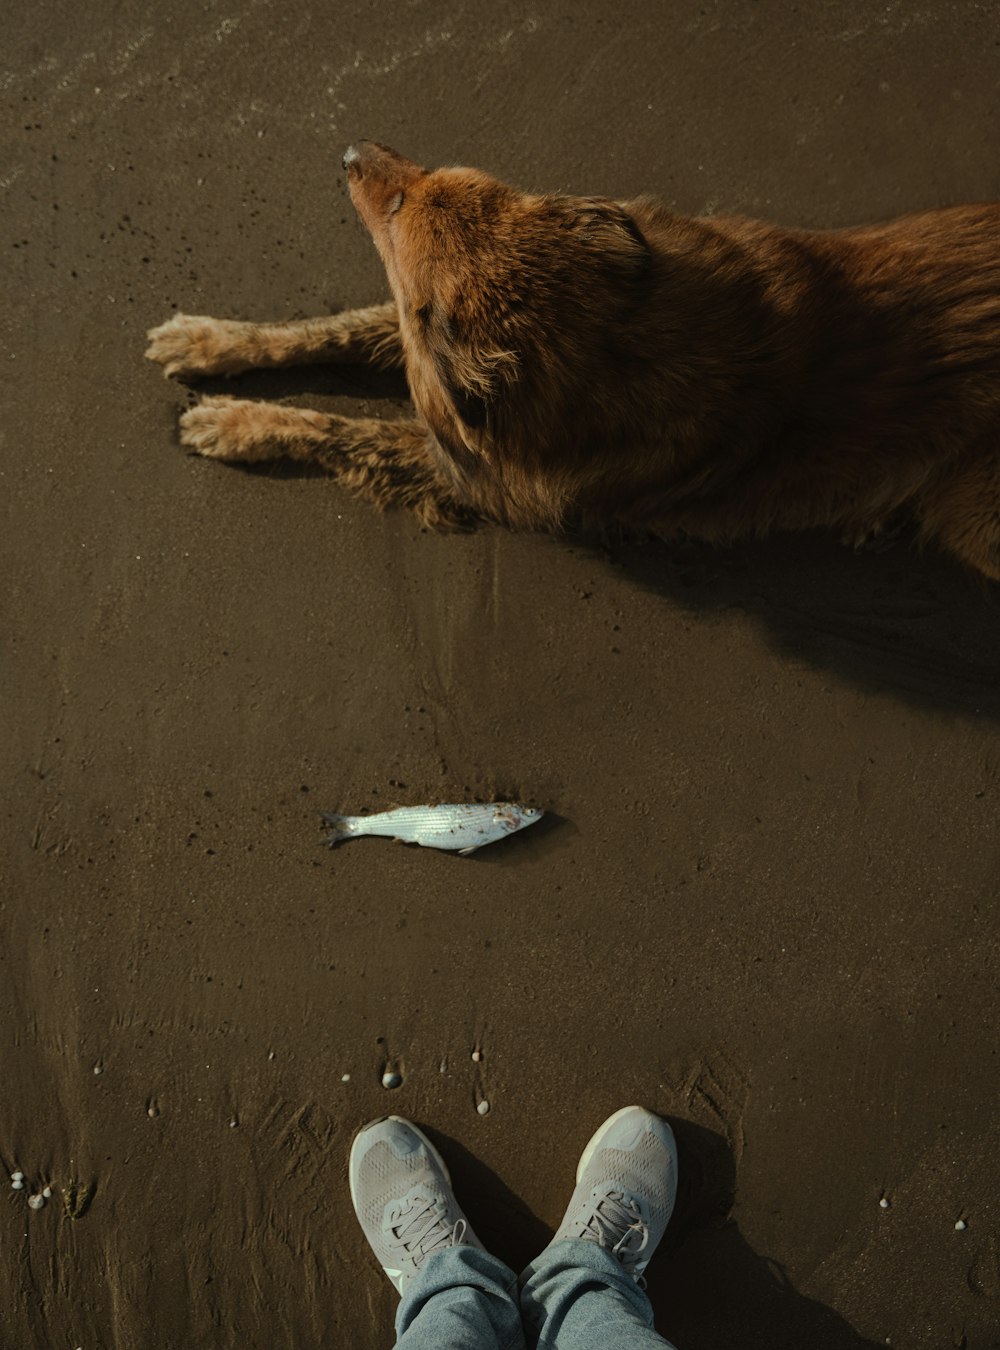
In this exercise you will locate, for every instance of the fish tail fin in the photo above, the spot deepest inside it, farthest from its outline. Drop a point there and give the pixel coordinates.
(338, 827)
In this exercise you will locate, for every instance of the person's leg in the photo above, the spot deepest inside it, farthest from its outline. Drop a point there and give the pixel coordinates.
(464, 1298)
(583, 1292)
(455, 1295)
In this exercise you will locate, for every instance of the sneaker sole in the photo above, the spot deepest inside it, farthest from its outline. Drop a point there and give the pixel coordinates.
(596, 1139)
(401, 1121)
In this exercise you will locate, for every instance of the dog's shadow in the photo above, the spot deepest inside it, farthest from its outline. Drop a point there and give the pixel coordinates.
(901, 620)
(707, 1285)
(307, 384)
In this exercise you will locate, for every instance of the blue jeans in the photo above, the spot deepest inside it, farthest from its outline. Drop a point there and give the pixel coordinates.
(575, 1296)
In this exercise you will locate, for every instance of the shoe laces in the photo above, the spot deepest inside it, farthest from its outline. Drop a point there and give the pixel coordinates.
(616, 1223)
(419, 1225)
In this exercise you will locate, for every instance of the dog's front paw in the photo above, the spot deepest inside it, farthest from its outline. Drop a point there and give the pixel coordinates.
(227, 428)
(189, 345)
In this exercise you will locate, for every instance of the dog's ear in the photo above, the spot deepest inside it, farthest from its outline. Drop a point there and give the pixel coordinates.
(610, 232)
(472, 378)
(471, 408)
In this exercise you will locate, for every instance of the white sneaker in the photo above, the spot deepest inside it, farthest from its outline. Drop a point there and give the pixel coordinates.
(402, 1196)
(626, 1184)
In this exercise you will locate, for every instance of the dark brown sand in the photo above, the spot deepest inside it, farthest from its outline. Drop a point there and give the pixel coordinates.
(765, 902)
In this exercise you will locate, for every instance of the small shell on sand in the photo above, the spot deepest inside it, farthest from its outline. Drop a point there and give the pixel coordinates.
(392, 1080)
(345, 1077)
(17, 1176)
(476, 1056)
(960, 1226)
(36, 1201)
(47, 1192)
(17, 1185)
(483, 1108)
(884, 1202)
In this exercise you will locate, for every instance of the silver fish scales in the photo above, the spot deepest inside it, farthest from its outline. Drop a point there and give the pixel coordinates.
(459, 827)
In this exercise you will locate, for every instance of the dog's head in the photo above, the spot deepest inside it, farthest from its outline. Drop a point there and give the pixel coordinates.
(496, 288)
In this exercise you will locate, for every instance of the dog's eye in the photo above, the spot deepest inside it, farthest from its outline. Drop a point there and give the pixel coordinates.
(396, 203)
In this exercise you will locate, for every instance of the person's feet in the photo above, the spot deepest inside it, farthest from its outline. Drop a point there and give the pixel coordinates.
(403, 1198)
(626, 1184)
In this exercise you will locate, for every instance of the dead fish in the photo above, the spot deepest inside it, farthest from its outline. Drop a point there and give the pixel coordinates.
(461, 827)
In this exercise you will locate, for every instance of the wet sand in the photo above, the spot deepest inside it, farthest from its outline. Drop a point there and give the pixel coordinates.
(764, 901)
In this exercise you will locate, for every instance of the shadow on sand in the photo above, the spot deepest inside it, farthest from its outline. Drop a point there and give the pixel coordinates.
(902, 620)
(707, 1286)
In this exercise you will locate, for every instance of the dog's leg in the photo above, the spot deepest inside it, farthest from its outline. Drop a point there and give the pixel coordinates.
(961, 512)
(387, 463)
(194, 345)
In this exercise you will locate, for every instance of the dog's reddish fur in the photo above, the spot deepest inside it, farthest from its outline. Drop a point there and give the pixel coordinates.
(579, 357)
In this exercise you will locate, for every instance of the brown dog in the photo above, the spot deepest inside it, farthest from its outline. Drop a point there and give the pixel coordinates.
(574, 357)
